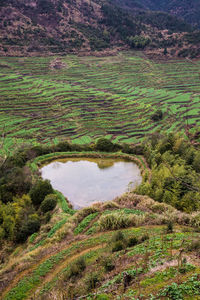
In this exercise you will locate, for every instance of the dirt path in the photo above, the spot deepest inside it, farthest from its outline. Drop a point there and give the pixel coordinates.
(17, 278)
(59, 268)
(30, 269)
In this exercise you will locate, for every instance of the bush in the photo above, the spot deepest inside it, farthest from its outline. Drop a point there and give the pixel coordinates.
(157, 116)
(29, 227)
(49, 203)
(139, 42)
(118, 246)
(169, 227)
(104, 145)
(92, 280)
(38, 192)
(195, 220)
(2, 234)
(63, 147)
(77, 267)
(108, 264)
(118, 236)
(194, 246)
(47, 217)
(132, 241)
(144, 237)
(115, 221)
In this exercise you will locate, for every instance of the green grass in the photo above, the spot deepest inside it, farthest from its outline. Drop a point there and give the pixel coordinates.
(85, 222)
(63, 203)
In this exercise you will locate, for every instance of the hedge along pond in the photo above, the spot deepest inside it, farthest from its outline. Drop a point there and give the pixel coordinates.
(88, 180)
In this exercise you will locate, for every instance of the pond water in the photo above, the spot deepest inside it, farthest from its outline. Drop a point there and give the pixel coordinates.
(85, 181)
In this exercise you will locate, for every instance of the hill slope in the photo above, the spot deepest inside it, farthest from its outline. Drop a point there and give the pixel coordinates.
(87, 249)
(48, 26)
(189, 10)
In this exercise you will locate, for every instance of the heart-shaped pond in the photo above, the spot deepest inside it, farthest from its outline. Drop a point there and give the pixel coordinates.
(85, 181)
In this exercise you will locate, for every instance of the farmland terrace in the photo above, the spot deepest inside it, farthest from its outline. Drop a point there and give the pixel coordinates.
(83, 98)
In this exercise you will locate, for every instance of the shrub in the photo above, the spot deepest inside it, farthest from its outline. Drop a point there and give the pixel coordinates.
(118, 246)
(144, 237)
(115, 221)
(49, 203)
(77, 267)
(194, 246)
(169, 228)
(29, 227)
(2, 234)
(132, 241)
(195, 220)
(104, 145)
(186, 268)
(157, 116)
(41, 189)
(118, 236)
(47, 217)
(139, 42)
(92, 280)
(108, 264)
(63, 146)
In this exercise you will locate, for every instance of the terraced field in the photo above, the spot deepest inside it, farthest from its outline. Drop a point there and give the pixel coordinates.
(92, 97)
(159, 263)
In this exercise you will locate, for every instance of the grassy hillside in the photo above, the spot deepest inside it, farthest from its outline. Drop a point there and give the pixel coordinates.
(128, 248)
(82, 98)
(86, 255)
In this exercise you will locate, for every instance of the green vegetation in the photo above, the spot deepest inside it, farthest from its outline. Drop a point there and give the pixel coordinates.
(49, 203)
(84, 223)
(141, 245)
(175, 172)
(120, 261)
(112, 97)
(39, 191)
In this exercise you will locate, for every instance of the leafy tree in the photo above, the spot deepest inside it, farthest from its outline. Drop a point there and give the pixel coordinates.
(38, 192)
(8, 226)
(104, 145)
(29, 227)
(138, 41)
(49, 203)
(63, 146)
(157, 116)
(2, 234)
(196, 163)
(165, 52)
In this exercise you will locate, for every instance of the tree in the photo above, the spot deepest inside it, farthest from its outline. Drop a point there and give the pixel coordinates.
(139, 42)
(196, 162)
(49, 203)
(104, 145)
(8, 226)
(29, 227)
(165, 52)
(39, 191)
(157, 116)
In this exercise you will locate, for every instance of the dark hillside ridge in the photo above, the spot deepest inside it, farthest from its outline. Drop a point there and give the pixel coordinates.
(58, 27)
(189, 10)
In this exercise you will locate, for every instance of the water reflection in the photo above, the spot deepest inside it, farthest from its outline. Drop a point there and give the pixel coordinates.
(85, 181)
